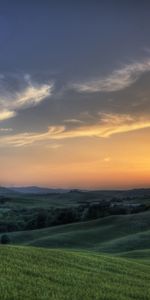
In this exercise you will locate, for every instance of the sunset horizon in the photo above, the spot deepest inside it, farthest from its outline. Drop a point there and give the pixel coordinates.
(74, 150)
(74, 95)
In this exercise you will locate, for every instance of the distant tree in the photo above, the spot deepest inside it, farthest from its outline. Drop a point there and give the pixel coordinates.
(5, 239)
(41, 219)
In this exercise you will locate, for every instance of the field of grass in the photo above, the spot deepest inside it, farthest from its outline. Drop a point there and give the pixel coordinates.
(113, 234)
(101, 259)
(42, 274)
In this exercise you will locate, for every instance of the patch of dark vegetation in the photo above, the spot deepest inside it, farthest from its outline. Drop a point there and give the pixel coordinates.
(17, 218)
(5, 239)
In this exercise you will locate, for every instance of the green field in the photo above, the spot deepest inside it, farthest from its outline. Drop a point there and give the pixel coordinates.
(101, 259)
(44, 274)
(113, 234)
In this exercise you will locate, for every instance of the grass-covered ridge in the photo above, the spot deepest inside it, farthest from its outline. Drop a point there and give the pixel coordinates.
(104, 257)
(43, 274)
(21, 211)
(113, 234)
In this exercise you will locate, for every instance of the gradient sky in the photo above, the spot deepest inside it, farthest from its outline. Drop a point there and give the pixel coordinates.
(75, 93)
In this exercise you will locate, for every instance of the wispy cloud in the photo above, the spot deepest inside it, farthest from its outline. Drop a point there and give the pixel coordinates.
(6, 129)
(108, 125)
(6, 114)
(116, 81)
(73, 121)
(30, 95)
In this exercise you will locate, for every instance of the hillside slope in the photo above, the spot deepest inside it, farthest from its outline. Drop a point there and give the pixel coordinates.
(41, 274)
(112, 234)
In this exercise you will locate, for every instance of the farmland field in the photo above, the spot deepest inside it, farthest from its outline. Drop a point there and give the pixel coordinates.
(113, 234)
(104, 257)
(43, 274)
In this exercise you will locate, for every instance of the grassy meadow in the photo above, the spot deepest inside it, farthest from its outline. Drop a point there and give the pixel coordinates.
(43, 274)
(112, 234)
(105, 258)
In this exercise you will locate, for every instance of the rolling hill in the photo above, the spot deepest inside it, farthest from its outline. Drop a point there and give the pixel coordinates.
(43, 274)
(113, 234)
(102, 259)
(37, 190)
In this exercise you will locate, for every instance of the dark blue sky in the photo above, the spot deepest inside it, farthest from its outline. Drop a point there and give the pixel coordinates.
(73, 37)
(71, 40)
(79, 68)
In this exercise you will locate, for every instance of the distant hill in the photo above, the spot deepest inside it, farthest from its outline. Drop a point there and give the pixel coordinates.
(36, 190)
(145, 192)
(105, 193)
(6, 191)
(113, 234)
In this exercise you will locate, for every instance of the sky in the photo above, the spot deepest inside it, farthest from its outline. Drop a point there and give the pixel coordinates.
(75, 93)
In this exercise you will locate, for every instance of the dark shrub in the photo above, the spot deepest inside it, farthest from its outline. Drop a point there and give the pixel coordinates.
(5, 239)
(41, 221)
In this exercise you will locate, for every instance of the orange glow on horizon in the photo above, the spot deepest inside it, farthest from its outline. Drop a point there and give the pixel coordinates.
(121, 161)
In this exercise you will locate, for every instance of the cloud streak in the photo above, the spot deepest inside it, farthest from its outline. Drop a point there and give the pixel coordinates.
(108, 125)
(31, 95)
(6, 129)
(6, 114)
(116, 81)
